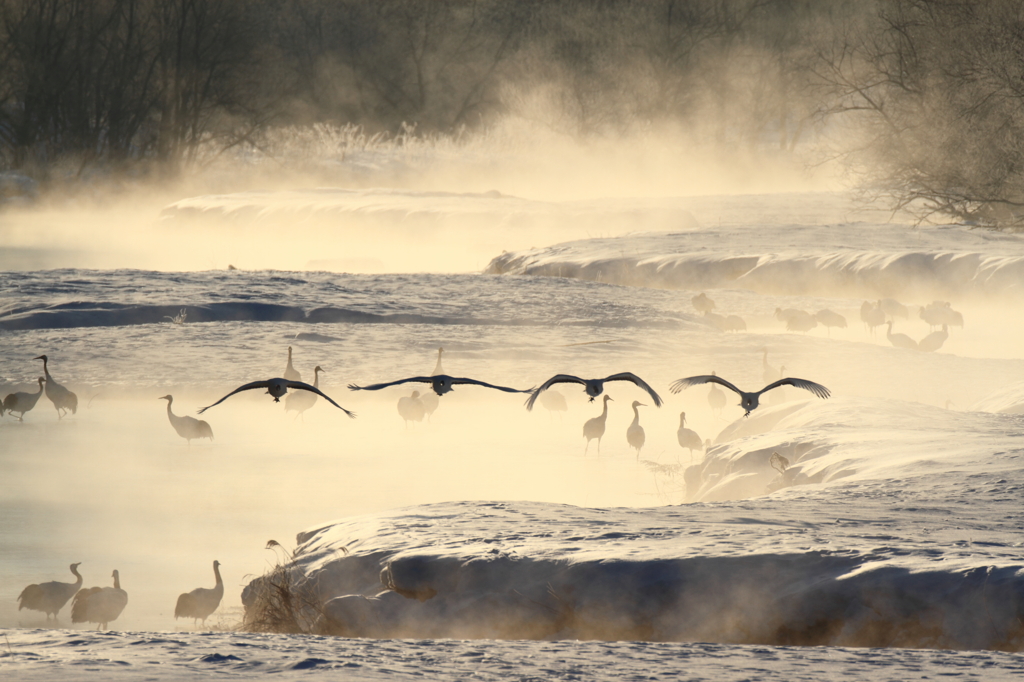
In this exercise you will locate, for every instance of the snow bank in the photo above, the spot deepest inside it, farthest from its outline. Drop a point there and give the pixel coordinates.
(856, 438)
(859, 259)
(778, 572)
(397, 206)
(541, 571)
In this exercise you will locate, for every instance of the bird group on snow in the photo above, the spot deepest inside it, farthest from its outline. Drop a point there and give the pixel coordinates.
(103, 605)
(63, 400)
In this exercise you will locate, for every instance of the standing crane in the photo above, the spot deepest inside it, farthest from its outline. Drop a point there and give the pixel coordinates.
(900, 340)
(202, 601)
(22, 401)
(688, 438)
(99, 605)
(62, 399)
(50, 597)
(185, 426)
(300, 402)
(594, 428)
(290, 373)
(410, 408)
(635, 435)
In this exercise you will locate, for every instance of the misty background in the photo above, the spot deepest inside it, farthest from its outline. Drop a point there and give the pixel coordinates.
(919, 99)
(191, 189)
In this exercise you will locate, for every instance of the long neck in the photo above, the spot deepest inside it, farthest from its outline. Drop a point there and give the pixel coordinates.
(45, 370)
(40, 385)
(682, 420)
(216, 574)
(437, 368)
(169, 413)
(117, 581)
(636, 415)
(74, 570)
(604, 412)
(316, 378)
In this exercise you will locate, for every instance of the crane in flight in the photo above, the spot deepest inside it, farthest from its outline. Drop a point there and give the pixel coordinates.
(278, 388)
(593, 387)
(441, 383)
(749, 401)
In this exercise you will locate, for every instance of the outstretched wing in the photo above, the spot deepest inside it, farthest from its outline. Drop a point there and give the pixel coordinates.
(313, 389)
(680, 384)
(246, 387)
(557, 379)
(463, 380)
(816, 389)
(629, 376)
(377, 387)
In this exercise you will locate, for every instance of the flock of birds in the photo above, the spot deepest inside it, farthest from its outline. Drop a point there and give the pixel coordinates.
(873, 314)
(103, 605)
(417, 406)
(300, 396)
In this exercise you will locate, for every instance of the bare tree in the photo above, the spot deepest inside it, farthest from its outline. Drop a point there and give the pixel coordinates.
(935, 89)
(383, 64)
(208, 68)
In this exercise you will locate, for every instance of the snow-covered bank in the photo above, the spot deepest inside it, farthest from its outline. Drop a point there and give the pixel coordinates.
(854, 259)
(693, 573)
(535, 571)
(822, 562)
(46, 654)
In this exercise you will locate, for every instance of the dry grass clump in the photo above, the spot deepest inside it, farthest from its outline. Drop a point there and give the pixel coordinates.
(282, 600)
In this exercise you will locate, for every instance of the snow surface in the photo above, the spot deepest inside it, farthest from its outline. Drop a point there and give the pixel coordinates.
(896, 524)
(45, 654)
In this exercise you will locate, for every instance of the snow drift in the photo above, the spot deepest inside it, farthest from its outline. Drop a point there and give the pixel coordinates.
(858, 259)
